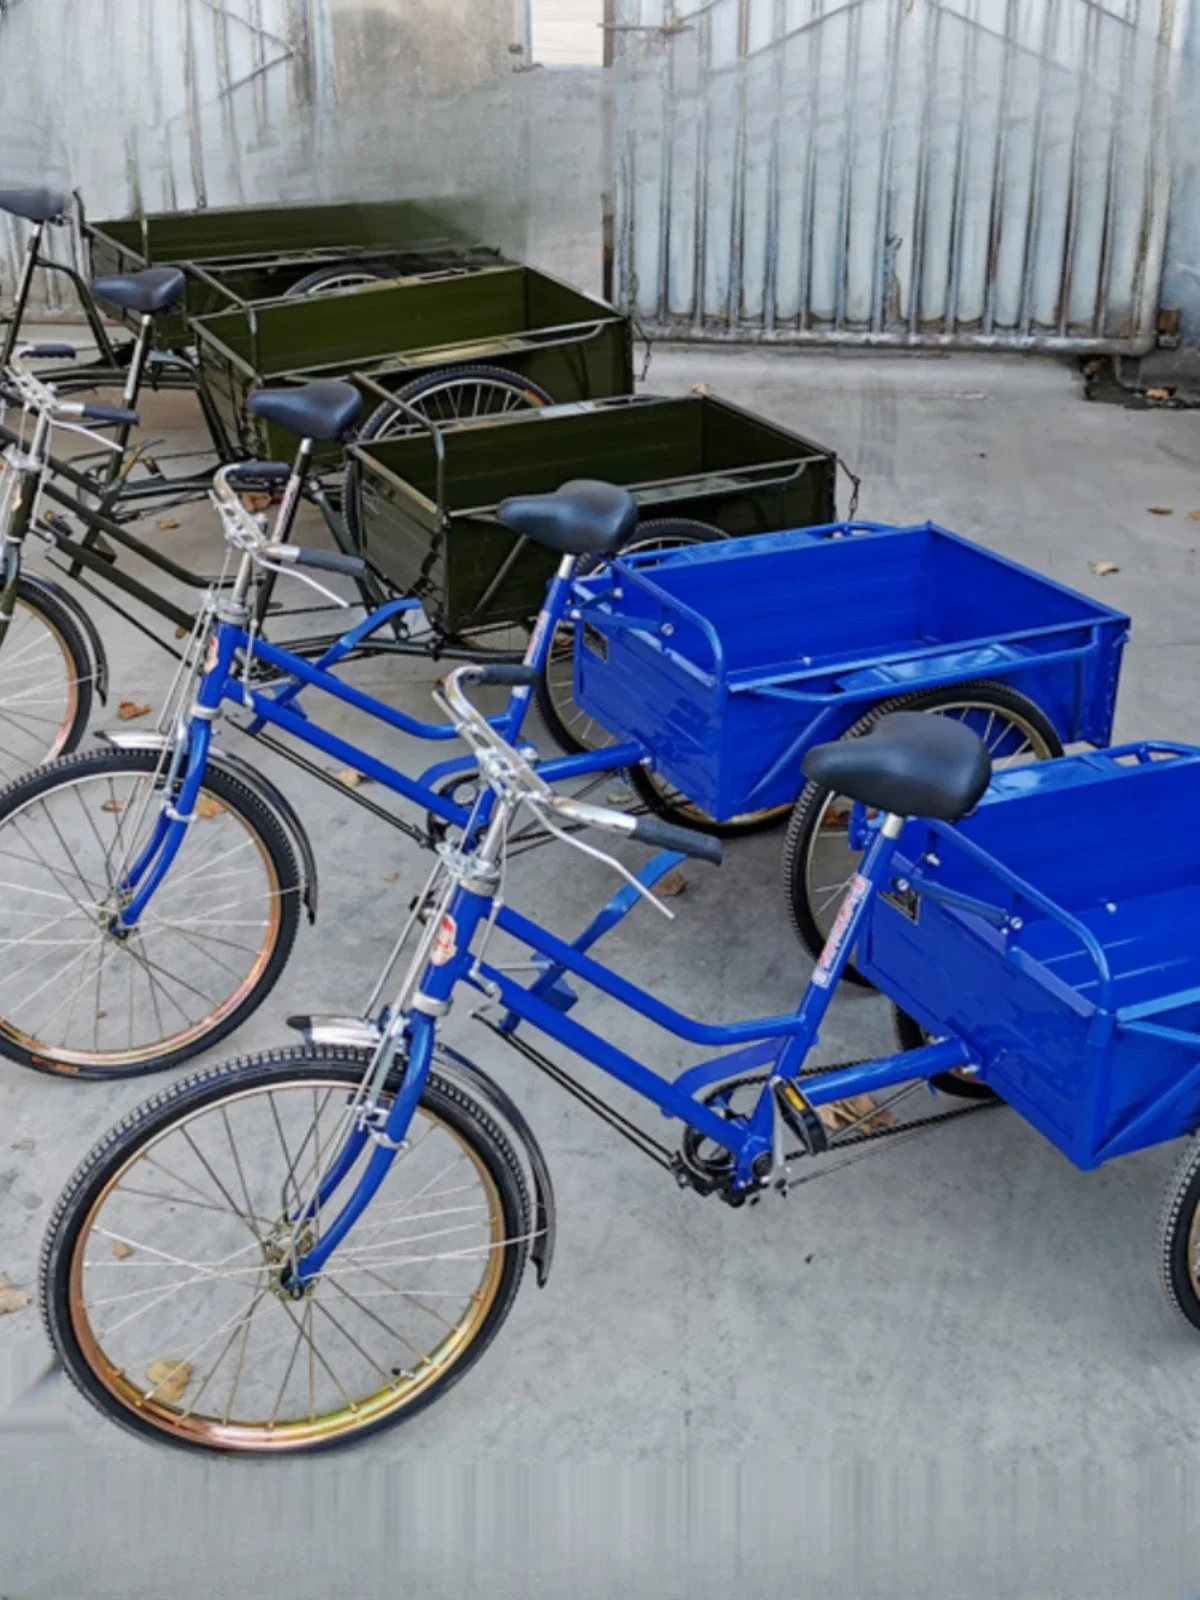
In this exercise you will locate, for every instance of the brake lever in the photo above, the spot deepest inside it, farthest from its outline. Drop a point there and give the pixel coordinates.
(623, 871)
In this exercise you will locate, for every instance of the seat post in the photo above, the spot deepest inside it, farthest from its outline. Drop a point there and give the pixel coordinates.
(25, 287)
(290, 505)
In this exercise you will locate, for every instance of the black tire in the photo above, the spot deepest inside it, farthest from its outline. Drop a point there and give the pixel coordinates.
(325, 280)
(443, 1099)
(264, 829)
(21, 746)
(809, 811)
(912, 1036)
(1176, 1224)
(386, 420)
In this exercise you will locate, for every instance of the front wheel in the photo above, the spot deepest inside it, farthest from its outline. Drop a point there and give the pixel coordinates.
(163, 1270)
(80, 1001)
(47, 680)
(818, 861)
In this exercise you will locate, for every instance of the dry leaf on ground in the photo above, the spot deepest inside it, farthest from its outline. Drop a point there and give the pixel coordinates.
(351, 778)
(617, 797)
(113, 805)
(12, 1298)
(129, 710)
(844, 1113)
(121, 1250)
(392, 877)
(168, 522)
(182, 633)
(1103, 568)
(674, 883)
(208, 808)
(256, 502)
(1158, 394)
(1161, 511)
(169, 1379)
(701, 388)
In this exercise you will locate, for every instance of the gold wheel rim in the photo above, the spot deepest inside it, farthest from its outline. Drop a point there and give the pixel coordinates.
(58, 743)
(344, 1422)
(64, 1058)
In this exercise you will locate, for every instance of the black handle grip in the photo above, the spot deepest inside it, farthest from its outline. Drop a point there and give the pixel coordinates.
(516, 676)
(93, 411)
(49, 352)
(327, 561)
(666, 836)
(256, 472)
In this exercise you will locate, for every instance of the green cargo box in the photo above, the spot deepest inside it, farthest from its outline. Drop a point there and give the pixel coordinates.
(260, 253)
(427, 501)
(574, 347)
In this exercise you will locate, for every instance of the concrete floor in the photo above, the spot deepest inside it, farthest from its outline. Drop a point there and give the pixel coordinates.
(968, 1299)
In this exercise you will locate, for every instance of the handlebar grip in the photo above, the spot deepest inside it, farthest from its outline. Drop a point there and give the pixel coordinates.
(93, 411)
(516, 676)
(666, 836)
(48, 352)
(258, 472)
(327, 560)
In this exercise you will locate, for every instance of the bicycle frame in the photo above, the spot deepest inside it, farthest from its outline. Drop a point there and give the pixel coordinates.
(775, 1046)
(225, 683)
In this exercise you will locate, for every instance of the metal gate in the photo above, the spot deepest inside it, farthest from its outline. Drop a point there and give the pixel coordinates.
(986, 173)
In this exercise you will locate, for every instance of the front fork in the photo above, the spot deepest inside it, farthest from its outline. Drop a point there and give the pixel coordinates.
(15, 520)
(443, 960)
(182, 782)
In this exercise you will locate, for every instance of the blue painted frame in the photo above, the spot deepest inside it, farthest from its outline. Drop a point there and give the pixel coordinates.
(278, 709)
(778, 1044)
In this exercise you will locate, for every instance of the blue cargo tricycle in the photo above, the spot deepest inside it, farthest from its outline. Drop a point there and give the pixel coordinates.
(728, 661)
(301, 1248)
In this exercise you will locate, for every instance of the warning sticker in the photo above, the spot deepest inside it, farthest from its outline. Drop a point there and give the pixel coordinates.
(857, 893)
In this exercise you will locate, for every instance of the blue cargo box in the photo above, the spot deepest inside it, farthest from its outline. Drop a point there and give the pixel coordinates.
(728, 661)
(1057, 931)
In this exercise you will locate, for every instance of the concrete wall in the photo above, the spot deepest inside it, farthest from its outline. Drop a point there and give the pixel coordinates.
(174, 104)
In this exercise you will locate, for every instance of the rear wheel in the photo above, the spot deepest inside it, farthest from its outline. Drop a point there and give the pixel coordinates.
(912, 1036)
(163, 1268)
(76, 1000)
(452, 394)
(329, 280)
(574, 730)
(818, 862)
(47, 678)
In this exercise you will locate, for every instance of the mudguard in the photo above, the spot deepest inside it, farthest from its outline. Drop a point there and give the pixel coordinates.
(473, 1077)
(90, 632)
(262, 786)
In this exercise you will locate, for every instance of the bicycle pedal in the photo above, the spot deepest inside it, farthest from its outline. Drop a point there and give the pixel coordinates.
(800, 1117)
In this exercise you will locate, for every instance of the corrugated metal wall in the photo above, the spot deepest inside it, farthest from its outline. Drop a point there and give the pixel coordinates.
(174, 104)
(899, 172)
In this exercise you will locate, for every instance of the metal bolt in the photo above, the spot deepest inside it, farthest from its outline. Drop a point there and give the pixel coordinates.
(668, 629)
(1111, 905)
(902, 885)
(933, 860)
(1016, 924)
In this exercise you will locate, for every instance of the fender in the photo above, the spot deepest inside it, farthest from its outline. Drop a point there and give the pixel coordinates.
(542, 1250)
(90, 632)
(362, 1033)
(236, 767)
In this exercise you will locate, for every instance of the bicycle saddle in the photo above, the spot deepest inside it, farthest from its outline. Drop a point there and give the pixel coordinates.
(324, 410)
(582, 518)
(155, 289)
(912, 763)
(34, 205)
